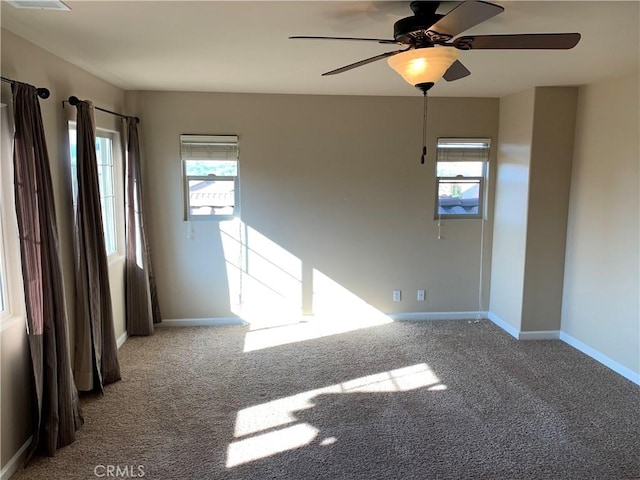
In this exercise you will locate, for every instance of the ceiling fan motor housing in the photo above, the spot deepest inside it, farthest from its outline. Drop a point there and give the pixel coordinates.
(415, 31)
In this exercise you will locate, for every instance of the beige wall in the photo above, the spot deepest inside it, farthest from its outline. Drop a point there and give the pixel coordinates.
(334, 184)
(511, 205)
(601, 290)
(549, 184)
(534, 171)
(25, 62)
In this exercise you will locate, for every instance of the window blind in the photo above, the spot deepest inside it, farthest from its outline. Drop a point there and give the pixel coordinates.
(463, 150)
(209, 147)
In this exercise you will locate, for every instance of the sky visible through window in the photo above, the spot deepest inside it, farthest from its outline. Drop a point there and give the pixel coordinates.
(220, 168)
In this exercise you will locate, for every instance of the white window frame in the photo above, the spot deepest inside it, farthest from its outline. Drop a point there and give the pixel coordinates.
(223, 147)
(118, 191)
(475, 146)
(13, 308)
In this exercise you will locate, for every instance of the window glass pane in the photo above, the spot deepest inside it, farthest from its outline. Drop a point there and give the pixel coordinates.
(104, 155)
(105, 180)
(109, 224)
(458, 197)
(74, 163)
(211, 197)
(453, 169)
(220, 168)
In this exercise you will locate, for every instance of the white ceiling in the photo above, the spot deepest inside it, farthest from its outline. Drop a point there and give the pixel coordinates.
(240, 46)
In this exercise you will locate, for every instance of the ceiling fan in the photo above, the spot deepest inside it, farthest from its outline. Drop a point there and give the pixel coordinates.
(431, 45)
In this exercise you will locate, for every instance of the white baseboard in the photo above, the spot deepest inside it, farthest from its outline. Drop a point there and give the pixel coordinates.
(520, 335)
(539, 335)
(224, 321)
(568, 339)
(602, 358)
(15, 462)
(201, 322)
(414, 316)
(121, 339)
(511, 330)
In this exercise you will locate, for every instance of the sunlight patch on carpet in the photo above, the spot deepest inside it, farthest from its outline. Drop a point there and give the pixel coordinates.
(270, 443)
(274, 427)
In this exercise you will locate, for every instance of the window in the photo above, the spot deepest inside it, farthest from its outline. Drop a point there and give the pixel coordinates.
(461, 169)
(6, 197)
(210, 172)
(11, 292)
(106, 173)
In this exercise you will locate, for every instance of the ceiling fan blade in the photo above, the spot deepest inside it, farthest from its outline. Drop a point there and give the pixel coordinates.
(456, 71)
(533, 41)
(465, 16)
(379, 40)
(363, 62)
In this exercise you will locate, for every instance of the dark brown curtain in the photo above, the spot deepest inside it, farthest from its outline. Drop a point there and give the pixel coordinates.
(56, 413)
(96, 359)
(141, 297)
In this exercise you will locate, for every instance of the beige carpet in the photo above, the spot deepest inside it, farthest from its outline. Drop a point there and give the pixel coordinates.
(426, 400)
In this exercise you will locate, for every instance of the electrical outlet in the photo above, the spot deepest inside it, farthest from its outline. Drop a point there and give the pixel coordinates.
(421, 295)
(397, 295)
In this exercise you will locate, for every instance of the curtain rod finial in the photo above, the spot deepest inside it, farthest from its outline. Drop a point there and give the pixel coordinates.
(43, 93)
(73, 100)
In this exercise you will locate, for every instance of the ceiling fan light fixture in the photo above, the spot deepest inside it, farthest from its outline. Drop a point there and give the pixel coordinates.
(423, 65)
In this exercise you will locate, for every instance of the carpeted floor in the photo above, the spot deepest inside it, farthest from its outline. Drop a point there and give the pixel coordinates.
(425, 400)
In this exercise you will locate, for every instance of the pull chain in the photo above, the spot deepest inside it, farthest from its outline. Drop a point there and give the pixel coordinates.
(424, 130)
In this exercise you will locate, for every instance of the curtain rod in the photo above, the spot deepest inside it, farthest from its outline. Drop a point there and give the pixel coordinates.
(41, 92)
(73, 100)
